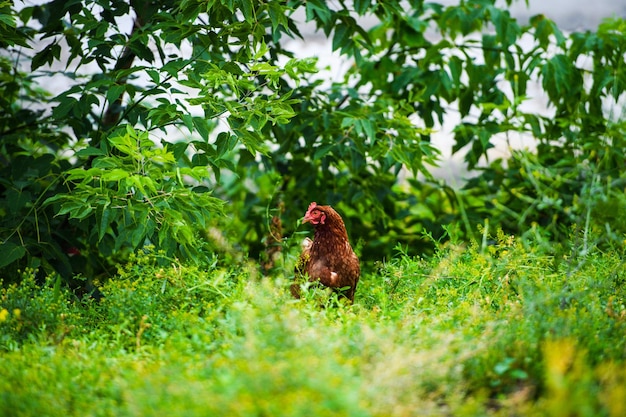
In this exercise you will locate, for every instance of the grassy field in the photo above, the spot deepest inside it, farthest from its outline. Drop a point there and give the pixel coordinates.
(505, 330)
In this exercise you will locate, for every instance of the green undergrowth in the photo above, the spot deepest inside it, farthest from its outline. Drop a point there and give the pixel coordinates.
(507, 329)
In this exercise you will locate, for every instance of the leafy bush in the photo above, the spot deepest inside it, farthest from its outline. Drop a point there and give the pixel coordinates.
(203, 103)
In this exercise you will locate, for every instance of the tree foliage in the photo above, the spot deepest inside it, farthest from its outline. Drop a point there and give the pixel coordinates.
(198, 103)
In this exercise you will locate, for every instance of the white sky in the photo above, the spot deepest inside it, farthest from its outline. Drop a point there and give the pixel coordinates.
(570, 14)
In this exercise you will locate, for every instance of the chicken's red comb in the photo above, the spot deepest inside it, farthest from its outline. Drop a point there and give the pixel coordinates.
(312, 206)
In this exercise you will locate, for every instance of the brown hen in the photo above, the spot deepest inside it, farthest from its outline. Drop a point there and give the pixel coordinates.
(328, 258)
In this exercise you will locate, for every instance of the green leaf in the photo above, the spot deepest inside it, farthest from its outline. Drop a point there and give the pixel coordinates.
(115, 175)
(341, 37)
(10, 252)
(361, 6)
(106, 218)
(225, 143)
(562, 80)
(232, 68)
(115, 91)
(173, 67)
(138, 233)
(202, 127)
(154, 76)
(126, 144)
(66, 105)
(507, 29)
(247, 9)
(17, 199)
(73, 206)
(90, 151)
(46, 56)
(318, 8)
(54, 199)
(277, 16)
(322, 151)
(81, 173)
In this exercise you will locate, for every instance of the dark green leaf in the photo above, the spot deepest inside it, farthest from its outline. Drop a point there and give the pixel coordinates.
(319, 9)
(46, 56)
(65, 106)
(90, 151)
(361, 6)
(341, 37)
(115, 91)
(248, 11)
(10, 252)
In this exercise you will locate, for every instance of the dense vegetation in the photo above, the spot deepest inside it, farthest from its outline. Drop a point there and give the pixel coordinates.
(157, 123)
(502, 330)
(163, 151)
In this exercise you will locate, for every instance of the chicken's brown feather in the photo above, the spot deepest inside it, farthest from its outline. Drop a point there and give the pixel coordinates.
(329, 259)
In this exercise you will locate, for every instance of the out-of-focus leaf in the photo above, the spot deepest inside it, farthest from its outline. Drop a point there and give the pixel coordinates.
(10, 252)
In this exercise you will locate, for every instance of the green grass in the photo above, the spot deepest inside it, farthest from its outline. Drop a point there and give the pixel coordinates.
(508, 330)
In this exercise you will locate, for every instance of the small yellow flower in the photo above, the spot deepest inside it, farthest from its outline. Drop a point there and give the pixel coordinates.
(4, 314)
(17, 313)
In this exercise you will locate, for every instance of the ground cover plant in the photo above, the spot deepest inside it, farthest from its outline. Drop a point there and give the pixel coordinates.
(505, 329)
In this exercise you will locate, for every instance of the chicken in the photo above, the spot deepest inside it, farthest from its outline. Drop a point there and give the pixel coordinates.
(328, 258)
